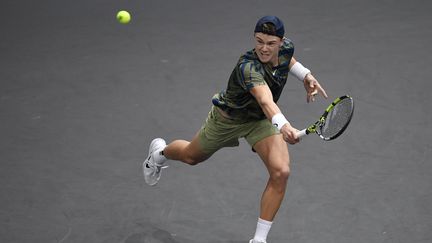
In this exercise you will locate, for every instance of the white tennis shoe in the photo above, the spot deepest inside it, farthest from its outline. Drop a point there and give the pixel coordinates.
(254, 241)
(152, 169)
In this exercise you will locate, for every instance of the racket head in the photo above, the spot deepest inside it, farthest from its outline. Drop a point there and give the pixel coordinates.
(336, 118)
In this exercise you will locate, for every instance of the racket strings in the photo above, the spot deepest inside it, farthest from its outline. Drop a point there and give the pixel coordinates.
(337, 119)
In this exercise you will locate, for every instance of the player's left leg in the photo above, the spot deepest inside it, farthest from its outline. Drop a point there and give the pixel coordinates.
(273, 150)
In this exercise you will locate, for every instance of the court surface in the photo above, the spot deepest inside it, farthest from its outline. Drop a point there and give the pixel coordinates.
(82, 96)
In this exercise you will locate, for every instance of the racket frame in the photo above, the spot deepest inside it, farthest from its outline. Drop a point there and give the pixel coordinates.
(314, 128)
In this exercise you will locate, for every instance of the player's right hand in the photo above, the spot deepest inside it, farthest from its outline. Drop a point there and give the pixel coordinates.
(289, 134)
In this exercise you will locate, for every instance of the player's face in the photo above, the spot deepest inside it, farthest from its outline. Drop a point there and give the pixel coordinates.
(267, 48)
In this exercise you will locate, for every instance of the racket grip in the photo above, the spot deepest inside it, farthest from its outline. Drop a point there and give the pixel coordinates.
(301, 133)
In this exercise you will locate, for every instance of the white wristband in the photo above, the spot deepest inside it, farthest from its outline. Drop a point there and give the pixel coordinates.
(279, 121)
(299, 71)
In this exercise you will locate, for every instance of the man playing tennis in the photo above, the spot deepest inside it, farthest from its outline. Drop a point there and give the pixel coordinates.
(247, 109)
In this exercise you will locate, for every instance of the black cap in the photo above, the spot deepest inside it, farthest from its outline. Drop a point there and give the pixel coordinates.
(279, 27)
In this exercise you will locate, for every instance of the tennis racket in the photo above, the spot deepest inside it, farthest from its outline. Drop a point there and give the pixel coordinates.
(334, 121)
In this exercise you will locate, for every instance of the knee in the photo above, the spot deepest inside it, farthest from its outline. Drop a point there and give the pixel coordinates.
(281, 174)
(191, 160)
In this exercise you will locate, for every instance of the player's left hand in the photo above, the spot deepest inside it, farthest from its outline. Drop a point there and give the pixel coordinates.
(313, 87)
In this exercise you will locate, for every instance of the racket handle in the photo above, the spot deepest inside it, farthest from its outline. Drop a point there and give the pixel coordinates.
(301, 133)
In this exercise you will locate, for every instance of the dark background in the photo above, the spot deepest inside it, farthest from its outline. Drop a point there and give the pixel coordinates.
(82, 96)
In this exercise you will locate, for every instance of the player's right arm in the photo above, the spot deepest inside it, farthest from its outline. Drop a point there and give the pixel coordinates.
(264, 97)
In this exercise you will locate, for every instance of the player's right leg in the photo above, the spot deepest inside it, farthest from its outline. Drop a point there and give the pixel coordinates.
(154, 163)
(181, 150)
(216, 133)
(187, 152)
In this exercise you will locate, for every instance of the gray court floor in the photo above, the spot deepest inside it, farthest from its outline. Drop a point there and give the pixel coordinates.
(81, 97)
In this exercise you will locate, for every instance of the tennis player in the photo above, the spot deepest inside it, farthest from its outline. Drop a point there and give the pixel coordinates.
(247, 109)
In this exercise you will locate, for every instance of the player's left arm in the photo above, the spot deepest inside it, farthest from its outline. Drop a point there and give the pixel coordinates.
(312, 86)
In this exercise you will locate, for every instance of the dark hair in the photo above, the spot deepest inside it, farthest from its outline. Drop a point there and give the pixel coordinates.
(268, 28)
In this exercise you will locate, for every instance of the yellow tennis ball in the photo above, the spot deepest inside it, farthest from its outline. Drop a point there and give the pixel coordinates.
(123, 17)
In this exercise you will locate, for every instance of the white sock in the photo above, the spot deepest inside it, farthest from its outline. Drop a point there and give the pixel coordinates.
(158, 156)
(263, 227)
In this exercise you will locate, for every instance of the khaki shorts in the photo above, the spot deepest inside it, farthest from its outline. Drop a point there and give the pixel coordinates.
(219, 131)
